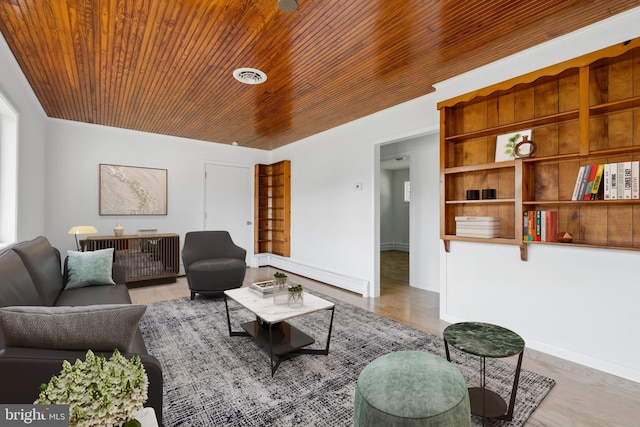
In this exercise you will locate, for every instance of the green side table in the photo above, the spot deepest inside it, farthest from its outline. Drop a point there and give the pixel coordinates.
(487, 340)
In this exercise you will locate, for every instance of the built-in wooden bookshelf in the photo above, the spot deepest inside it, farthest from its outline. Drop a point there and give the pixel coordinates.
(273, 208)
(581, 112)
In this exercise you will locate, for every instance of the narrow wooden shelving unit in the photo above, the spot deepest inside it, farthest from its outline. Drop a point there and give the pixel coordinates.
(581, 112)
(273, 208)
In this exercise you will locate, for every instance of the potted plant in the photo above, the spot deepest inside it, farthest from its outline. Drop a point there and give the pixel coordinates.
(99, 392)
(280, 278)
(295, 296)
(280, 292)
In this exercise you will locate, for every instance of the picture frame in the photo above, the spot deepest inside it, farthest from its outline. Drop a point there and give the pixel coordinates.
(506, 143)
(132, 190)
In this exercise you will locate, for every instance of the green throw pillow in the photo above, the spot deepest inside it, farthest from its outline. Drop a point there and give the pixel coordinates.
(90, 268)
(102, 327)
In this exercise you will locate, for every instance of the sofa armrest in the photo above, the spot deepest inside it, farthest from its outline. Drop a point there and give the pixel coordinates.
(26, 368)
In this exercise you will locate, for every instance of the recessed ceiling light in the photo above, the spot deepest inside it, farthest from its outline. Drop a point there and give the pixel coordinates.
(249, 76)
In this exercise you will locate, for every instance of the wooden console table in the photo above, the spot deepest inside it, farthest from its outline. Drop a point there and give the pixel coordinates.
(148, 260)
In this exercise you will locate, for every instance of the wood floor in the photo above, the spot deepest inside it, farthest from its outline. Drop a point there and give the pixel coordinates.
(581, 397)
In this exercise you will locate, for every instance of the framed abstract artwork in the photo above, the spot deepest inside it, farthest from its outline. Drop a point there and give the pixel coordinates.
(132, 190)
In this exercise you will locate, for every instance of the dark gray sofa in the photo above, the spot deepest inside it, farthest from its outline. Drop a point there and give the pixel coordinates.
(31, 275)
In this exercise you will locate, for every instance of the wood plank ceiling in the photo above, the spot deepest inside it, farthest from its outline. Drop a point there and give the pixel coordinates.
(165, 66)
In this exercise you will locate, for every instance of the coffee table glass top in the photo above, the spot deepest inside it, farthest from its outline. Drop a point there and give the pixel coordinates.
(264, 307)
(483, 339)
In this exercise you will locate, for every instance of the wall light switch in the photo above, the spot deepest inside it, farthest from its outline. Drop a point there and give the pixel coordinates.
(358, 186)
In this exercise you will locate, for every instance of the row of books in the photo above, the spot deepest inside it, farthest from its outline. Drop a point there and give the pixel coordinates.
(610, 181)
(540, 226)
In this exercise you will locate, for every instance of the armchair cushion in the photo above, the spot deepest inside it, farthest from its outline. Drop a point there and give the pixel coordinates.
(96, 327)
(90, 268)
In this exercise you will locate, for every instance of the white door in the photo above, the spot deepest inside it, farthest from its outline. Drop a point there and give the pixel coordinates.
(228, 196)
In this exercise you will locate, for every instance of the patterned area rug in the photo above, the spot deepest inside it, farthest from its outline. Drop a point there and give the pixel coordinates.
(212, 379)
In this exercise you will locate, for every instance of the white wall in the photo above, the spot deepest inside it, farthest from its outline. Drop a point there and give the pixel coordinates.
(425, 212)
(394, 211)
(577, 303)
(400, 209)
(76, 149)
(334, 227)
(31, 149)
(386, 210)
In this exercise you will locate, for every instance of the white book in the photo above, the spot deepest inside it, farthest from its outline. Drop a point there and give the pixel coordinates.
(543, 226)
(606, 181)
(483, 234)
(620, 181)
(470, 227)
(626, 180)
(478, 224)
(635, 179)
(477, 218)
(576, 189)
(614, 181)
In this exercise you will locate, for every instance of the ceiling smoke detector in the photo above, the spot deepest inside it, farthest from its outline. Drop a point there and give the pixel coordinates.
(250, 76)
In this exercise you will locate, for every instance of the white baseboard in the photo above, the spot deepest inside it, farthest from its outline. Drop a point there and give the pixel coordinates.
(353, 284)
(402, 247)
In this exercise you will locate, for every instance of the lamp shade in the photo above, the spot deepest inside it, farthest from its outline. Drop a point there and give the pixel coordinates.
(82, 229)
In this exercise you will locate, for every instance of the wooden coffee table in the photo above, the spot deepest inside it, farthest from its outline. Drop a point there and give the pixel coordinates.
(270, 328)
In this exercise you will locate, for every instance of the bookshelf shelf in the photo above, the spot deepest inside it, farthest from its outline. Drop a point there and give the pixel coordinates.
(580, 112)
(581, 202)
(615, 106)
(523, 124)
(480, 202)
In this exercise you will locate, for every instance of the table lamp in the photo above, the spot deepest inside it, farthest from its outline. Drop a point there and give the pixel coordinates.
(81, 229)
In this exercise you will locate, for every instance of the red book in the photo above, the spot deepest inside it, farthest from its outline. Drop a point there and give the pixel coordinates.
(551, 225)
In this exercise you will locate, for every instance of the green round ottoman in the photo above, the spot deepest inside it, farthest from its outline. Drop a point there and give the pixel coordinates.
(411, 388)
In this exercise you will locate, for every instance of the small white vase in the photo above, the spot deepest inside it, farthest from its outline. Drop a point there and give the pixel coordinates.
(118, 229)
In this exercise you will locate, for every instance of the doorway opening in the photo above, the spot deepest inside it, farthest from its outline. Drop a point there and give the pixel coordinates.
(395, 227)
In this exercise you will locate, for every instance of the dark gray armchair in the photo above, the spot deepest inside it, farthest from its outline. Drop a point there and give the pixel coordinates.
(212, 262)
